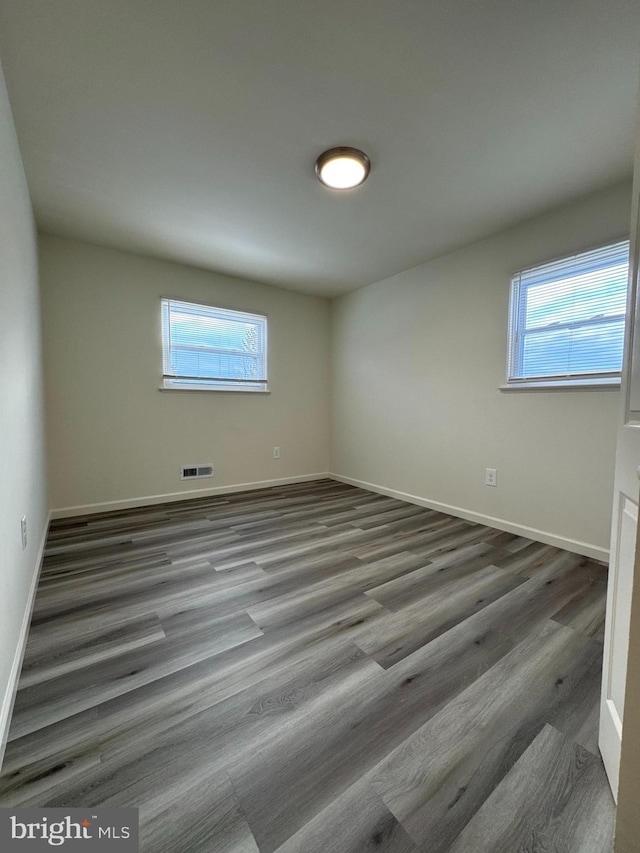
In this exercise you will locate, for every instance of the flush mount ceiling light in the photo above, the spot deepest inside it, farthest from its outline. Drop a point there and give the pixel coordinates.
(342, 168)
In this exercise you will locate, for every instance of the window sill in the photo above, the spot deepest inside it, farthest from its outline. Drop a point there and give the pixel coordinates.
(215, 390)
(564, 385)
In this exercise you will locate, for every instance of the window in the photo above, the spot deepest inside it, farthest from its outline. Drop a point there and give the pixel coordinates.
(206, 348)
(567, 319)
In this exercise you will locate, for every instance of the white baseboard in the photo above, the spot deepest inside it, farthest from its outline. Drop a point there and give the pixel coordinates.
(151, 500)
(9, 698)
(584, 548)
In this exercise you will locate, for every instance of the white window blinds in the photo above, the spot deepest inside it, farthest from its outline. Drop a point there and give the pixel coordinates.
(567, 317)
(207, 348)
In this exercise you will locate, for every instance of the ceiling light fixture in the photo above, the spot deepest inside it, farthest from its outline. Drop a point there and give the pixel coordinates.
(342, 168)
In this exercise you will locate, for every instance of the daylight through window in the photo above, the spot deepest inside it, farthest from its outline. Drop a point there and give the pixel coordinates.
(567, 318)
(213, 349)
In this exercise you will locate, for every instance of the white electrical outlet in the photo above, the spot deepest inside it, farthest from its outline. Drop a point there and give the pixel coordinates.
(276, 453)
(490, 477)
(23, 531)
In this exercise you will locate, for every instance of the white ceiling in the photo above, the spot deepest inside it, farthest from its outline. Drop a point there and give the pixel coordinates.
(188, 129)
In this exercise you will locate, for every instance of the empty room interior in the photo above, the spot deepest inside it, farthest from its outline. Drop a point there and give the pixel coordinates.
(320, 423)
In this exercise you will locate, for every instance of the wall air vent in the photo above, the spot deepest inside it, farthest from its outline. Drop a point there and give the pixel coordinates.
(195, 472)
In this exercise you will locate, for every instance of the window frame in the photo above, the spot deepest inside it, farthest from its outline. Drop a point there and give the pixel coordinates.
(183, 382)
(515, 338)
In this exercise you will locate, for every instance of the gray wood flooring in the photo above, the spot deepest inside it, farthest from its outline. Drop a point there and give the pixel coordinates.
(315, 668)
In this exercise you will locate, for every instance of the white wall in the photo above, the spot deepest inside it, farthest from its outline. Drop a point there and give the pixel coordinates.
(113, 436)
(22, 462)
(417, 362)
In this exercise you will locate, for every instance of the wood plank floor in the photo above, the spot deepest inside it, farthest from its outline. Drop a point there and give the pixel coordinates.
(315, 668)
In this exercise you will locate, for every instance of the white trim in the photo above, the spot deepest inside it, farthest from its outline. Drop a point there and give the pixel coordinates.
(584, 548)
(609, 743)
(563, 385)
(219, 389)
(9, 698)
(150, 500)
